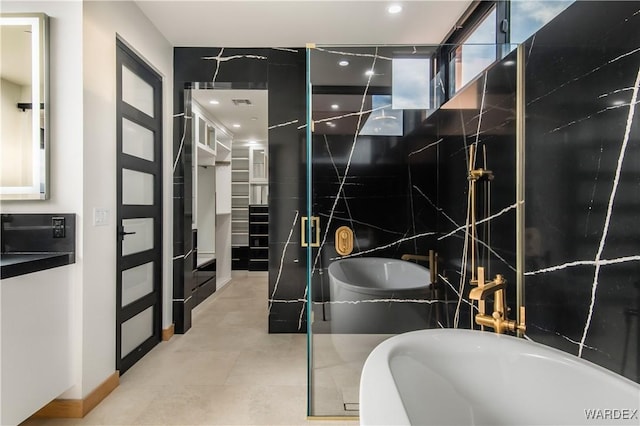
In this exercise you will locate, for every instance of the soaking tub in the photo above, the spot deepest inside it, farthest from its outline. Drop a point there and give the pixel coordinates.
(465, 377)
(378, 295)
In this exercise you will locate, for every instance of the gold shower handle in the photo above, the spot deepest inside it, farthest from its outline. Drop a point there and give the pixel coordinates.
(344, 241)
(315, 225)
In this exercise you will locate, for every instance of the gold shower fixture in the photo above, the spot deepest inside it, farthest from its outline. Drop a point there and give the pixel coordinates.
(344, 241)
(480, 174)
(498, 320)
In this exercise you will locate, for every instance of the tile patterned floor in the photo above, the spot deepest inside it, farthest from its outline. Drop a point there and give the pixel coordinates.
(227, 370)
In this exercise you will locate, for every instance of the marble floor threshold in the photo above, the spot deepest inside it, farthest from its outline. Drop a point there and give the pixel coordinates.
(226, 370)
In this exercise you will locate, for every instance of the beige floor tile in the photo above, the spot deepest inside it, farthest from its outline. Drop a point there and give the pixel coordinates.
(194, 368)
(228, 370)
(264, 368)
(176, 405)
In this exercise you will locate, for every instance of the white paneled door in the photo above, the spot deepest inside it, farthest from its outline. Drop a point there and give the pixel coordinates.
(139, 182)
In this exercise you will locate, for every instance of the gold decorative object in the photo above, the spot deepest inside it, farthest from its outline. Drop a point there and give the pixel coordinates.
(344, 241)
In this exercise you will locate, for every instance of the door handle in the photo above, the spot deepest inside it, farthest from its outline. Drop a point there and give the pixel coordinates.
(122, 233)
(315, 224)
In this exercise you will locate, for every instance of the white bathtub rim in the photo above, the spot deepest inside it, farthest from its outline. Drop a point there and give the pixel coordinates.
(380, 291)
(390, 409)
(387, 407)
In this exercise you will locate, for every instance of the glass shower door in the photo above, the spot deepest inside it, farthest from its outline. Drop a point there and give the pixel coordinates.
(363, 103)
(388, 167)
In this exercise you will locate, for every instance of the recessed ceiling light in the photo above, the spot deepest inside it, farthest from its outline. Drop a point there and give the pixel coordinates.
(368, 72)
(343, 63)
(335, 106)
(214, 102)
(251, 142)
(254, 118)
(394, 8)
(236, 125)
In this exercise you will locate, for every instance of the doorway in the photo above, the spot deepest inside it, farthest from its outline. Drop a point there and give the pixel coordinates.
(139, 208)
(231, 134)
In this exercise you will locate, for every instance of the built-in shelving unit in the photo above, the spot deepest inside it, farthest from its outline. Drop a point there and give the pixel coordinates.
(250, 186)
(239, 204)
(259, 237)
(206, 156)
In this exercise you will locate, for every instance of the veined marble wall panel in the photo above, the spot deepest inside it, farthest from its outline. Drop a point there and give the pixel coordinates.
(481, 116)
(361, 180)
(583, 184)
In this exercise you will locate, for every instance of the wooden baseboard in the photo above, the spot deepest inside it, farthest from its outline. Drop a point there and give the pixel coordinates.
(168, 333)
(78, 408)
(62, 408)
(100, 393)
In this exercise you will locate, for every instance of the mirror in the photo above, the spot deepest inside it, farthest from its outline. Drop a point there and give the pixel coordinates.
(24, 90)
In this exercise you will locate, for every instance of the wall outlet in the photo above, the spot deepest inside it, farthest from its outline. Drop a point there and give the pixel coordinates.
(57, 223)
(101, 217)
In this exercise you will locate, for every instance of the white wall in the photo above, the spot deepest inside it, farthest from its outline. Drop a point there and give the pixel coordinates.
(102, 22)
(82, 168)
(65, 156)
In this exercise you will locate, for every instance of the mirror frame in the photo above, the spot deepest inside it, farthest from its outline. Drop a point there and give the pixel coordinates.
(40, 106)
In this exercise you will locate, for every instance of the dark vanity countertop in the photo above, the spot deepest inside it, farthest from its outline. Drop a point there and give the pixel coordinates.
(15, 264)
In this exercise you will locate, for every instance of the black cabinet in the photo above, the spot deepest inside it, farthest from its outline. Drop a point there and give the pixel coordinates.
(205, 279)
(239, 258)
(258, 237)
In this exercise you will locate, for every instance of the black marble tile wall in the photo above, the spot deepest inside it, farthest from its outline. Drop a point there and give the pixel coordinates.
(287, 189)
(583, 184)
(582, 176)
(374, 201)
(282, 72)
(481, 117)
(361, 180)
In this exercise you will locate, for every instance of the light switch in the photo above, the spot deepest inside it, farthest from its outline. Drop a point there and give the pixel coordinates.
(101, 217)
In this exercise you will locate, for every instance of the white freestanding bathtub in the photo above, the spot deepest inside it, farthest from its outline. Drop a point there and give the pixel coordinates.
(464, 377)
(378, 295)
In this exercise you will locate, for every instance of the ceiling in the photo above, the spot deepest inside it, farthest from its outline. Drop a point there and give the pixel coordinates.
(264, 23)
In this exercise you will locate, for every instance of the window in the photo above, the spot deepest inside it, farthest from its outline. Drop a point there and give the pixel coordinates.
(411, 78)
(476, 52)
(528, 16)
